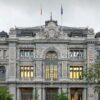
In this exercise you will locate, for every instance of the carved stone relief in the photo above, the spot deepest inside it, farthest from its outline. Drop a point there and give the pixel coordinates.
(42, 49)
(51, 31)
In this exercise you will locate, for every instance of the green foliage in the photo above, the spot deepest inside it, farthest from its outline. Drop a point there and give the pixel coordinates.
(4, 94)
(61, 96)
(92, 74)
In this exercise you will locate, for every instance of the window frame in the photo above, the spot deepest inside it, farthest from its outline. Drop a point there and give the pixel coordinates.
(27, 72)
(51, 60)
(2, 76)
(77, 72)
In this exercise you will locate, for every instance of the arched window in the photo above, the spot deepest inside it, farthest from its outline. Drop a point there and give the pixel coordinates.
(51, 62)
(2, 73)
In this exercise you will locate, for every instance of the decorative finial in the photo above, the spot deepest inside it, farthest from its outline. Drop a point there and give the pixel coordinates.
(51, 16)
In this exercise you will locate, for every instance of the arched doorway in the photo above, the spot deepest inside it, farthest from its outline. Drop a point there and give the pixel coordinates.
(51, 66)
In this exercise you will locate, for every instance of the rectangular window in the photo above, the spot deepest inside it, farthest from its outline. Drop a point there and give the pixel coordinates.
(76, 72)
(76, 53)
(51, 72)
(4, 54)
(2, 73)
(26, 53)
(98, 54)
(27, 72)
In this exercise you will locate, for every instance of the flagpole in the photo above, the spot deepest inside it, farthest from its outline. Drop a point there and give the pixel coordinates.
(61, 20)
(61, 16)
(40, 16)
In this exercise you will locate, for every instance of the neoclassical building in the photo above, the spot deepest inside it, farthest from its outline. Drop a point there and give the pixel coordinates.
(48, 59)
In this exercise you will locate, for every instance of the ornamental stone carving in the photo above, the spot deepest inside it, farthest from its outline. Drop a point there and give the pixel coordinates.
(91, 31)
(51, 34)
(51, 30)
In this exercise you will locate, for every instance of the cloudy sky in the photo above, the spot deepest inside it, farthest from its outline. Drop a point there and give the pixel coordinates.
(26, 13)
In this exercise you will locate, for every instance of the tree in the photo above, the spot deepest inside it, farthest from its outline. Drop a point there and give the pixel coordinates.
(92, 75)
(61, 96)
(4, 94)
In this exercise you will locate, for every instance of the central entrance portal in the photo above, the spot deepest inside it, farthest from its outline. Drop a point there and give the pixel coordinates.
(50, 92)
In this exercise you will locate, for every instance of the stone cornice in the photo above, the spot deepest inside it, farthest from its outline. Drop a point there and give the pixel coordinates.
(91, 41)
(33, 41)
(12, 40)
(51, 41)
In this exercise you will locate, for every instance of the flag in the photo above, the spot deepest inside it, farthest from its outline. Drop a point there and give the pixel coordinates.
(61, 10)
(41, 12)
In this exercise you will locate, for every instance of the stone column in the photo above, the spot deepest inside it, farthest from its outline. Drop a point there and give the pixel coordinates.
(84, 97)
(18, 94)
(64, 70)
(96, 95)
(68, 89)
(91, 54)
(43, 96)
(65, 90)
(12, 89)
(85, 54)
(33, 92)
(18, 71)
(59, 90)
(59, 70)
(38, 70)
(68, 71)
(90, 93)
(43, 70)
(6, 77)
(39, 93)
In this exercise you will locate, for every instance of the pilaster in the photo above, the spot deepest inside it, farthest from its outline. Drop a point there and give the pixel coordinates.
(12, 89)
(18, 94)
(84, 94)
(12, 61)
(91, 54)
(68, 91)
(64, 70)
(90, 93)
(39, 93)
(38, 68)
(44, 95)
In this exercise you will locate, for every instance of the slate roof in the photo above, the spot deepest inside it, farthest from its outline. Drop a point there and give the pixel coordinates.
(71, 31)
(4, 34)
(97, 35)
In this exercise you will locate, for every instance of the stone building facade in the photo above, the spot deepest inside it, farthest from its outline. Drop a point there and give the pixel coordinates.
(48, 59)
